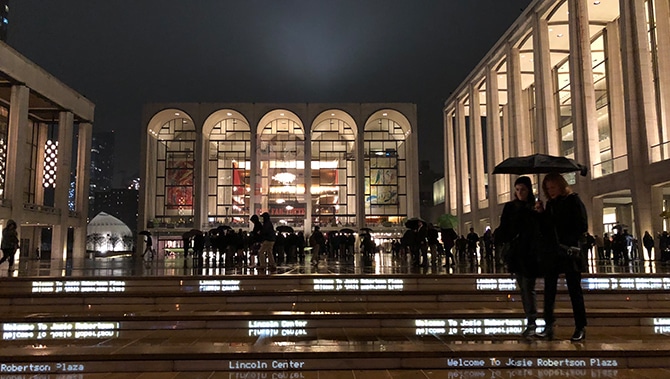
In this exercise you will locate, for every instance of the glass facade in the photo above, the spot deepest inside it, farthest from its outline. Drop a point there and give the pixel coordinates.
(333, 188)
(282, 170)
(228, 172)
(175, 147)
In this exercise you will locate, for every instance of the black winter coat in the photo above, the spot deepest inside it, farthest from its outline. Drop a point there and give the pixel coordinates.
(519, 227)
(564, 222)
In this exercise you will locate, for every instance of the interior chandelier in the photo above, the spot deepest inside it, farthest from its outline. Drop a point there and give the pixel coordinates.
(284, 178)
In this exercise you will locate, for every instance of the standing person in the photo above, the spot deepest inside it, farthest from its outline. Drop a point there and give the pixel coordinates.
(607, 246)
(316, 240)
(422, 240)
(255, 240)
(600, 246)
(10, 242)
(518, 227)
(268, 241)
(473, 243)
(648, 242)
(148, 248)
(564, 222)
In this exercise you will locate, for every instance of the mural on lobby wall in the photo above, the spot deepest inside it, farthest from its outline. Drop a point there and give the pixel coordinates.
(382, 183)
(179, 181)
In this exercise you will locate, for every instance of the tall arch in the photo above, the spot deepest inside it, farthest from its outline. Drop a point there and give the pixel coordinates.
(172, 143)
(280, 175)
(386, 167)
(227, 141)
(333, 163)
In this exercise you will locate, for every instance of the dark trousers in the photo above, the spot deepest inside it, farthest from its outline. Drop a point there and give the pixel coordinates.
(528, 298)
(8, 255)
(573, 280)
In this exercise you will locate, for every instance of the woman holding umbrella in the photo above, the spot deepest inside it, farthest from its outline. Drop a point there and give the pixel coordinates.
(518, 229)
(564, 222)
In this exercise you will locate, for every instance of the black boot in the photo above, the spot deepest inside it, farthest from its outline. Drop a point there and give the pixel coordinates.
(547, 333)
(578, 335)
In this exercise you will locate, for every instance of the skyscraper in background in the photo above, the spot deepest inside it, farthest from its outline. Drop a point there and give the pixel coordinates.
(4, 19)
(102, 166)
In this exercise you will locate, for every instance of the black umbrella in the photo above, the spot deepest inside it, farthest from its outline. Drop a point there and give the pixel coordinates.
(222, 228)
(413, 223)
(347, 231)
(284, 229)
(144, 233)
(539, 164)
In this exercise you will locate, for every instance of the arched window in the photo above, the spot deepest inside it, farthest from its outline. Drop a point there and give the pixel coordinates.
(175, 157)
(385, 171)
(333, 173)
(228, 171)
(282, 167)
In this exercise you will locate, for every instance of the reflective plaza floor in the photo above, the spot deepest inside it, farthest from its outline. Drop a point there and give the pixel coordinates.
(383, 264)
(116, 318)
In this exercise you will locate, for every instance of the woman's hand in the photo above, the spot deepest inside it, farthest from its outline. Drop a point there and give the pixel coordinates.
(539, 206)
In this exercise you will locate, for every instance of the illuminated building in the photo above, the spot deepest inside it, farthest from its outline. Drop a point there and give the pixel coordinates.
(589, 80)
(45, 130)
(335, 165)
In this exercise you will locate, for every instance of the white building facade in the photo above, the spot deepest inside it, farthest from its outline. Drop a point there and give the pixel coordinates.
(45, 143)
(333, 165)
(589, 80)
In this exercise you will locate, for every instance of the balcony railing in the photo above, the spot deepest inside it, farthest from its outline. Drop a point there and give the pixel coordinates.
(610, 166)
(660, 152)
(41, 208)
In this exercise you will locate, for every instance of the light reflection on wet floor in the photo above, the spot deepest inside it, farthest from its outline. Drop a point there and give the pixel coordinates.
(383, 263)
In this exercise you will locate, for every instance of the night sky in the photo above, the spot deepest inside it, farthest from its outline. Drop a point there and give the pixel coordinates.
(122, 54)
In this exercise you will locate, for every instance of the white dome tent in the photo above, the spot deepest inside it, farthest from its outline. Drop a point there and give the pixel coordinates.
(106, 233)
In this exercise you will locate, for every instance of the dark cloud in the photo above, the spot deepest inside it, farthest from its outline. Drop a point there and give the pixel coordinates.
(122, 54)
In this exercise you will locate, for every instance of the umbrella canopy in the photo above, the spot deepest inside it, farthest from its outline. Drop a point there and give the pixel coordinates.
(284, 229)
(539, 164)
(194, 232)
(413, 222)
(144, 233)
(222, 228)
(447, 221)
(347, 231)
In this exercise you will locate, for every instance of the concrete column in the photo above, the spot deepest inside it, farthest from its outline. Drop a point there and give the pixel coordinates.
(360, 178)
(451, 172)
(582, 92)
(656, 221)
(463, 193)
(476, 160)
(63, 167)
(82, 188)
(200, 163)
(616, 94)
(545, 115)
(494, 138)
(520, 142)
(308, 180)
(641, 130)
(663, 62)
(412, 167)
(254, 172)
(446, 159)
(16, 159)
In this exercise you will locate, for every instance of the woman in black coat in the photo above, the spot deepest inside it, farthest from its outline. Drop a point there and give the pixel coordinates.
(518, 228)
(564, 223)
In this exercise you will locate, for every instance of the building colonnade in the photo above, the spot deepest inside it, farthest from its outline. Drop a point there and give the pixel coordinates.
(45, 142)
(589, 80)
